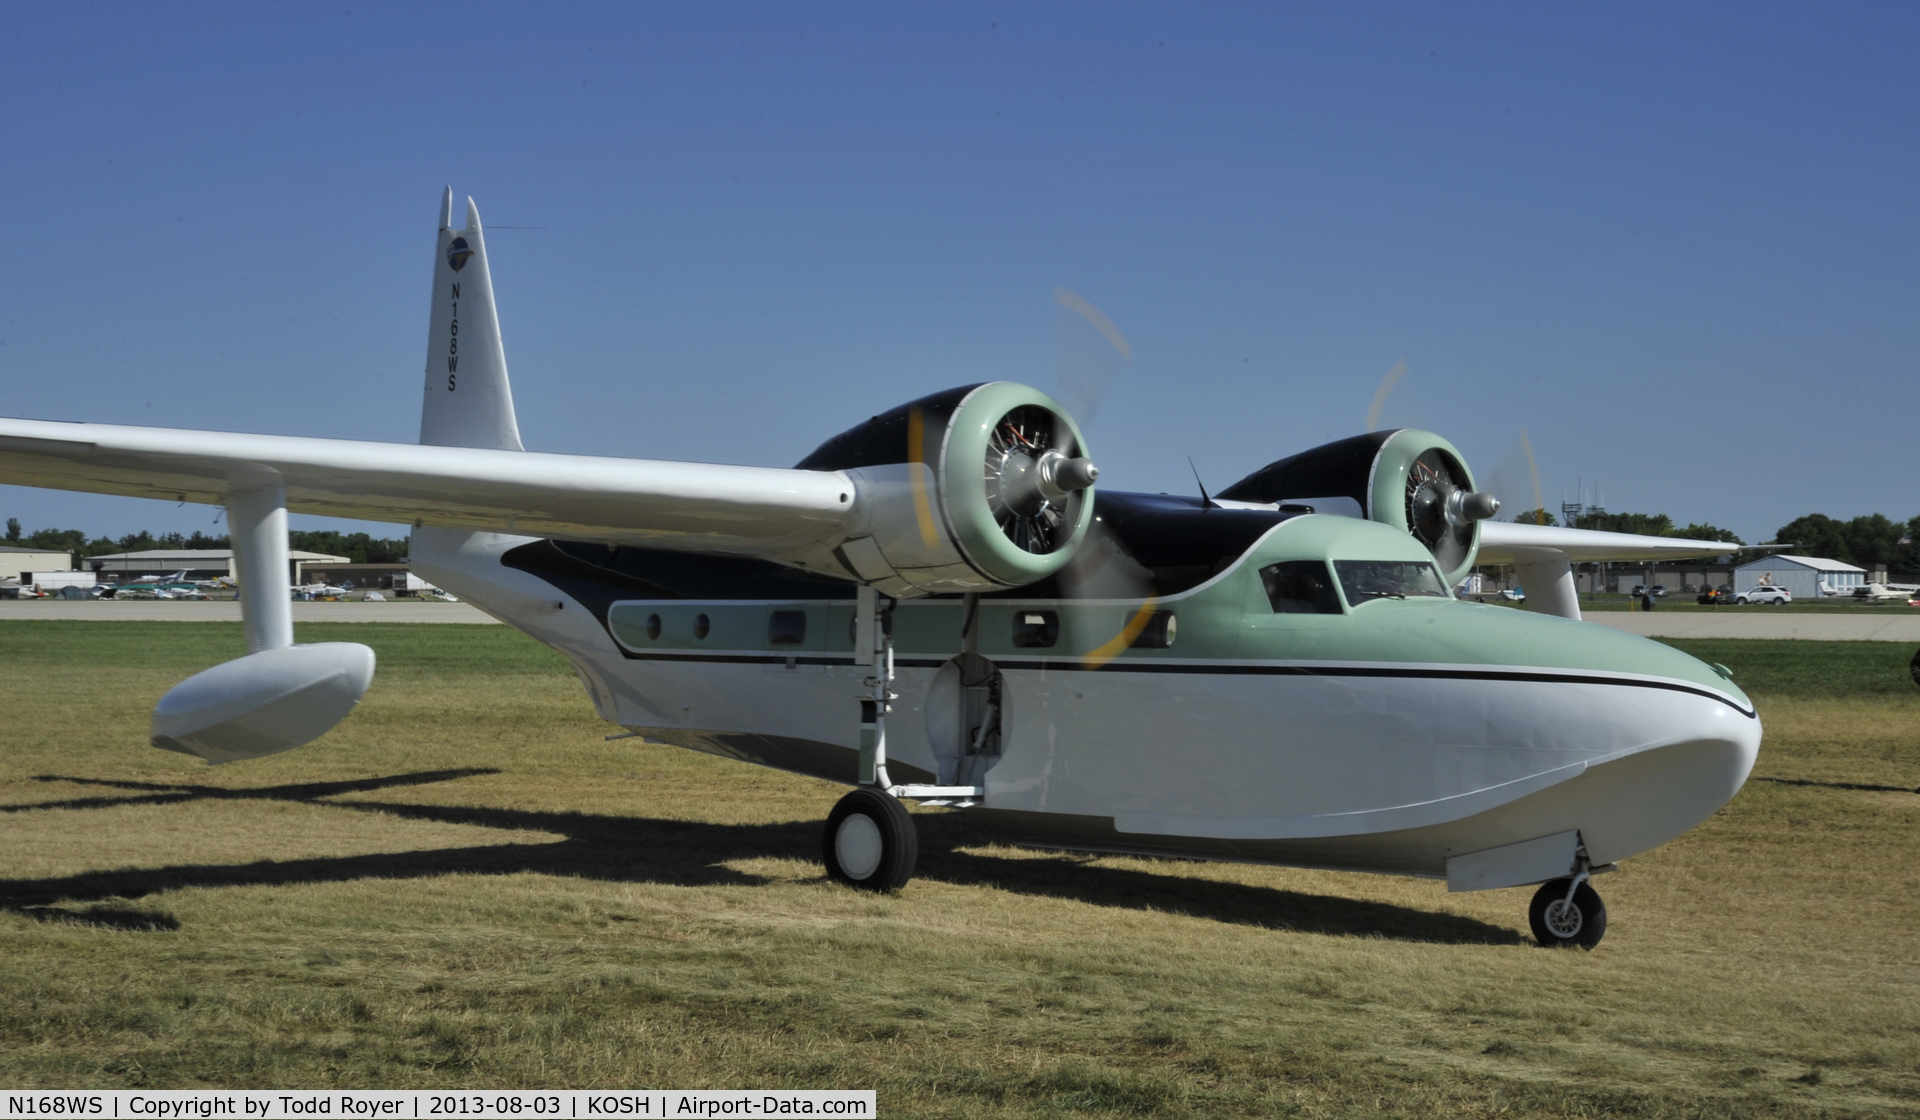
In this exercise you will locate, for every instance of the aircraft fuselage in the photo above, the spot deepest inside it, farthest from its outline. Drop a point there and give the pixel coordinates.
(1385, 734)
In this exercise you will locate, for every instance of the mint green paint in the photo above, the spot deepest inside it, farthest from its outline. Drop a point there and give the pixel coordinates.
(965, 500)
(1430, 630)
(1227, 619)
(1388, 497)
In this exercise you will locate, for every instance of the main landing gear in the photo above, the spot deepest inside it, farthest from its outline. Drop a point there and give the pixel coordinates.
(1566, 913)
(871, 842)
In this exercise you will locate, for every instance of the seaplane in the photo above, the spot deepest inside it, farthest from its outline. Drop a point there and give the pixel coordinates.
(940, 605)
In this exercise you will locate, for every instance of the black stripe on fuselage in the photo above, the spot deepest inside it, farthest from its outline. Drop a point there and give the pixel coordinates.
(1121, 665)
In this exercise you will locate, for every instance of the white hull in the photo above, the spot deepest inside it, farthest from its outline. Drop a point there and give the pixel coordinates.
(1226, 760)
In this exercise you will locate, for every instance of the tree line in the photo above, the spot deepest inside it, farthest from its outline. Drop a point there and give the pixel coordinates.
(360, 548)
(1872, 541)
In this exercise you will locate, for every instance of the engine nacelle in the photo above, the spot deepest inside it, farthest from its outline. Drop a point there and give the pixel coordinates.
(973, 489)
(1407, 478)
(263, 703)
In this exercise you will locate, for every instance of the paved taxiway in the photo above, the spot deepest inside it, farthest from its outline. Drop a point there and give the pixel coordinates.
(1870, 625)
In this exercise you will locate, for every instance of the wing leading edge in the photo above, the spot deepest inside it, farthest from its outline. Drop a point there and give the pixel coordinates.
(752, 511)
(1507, 542)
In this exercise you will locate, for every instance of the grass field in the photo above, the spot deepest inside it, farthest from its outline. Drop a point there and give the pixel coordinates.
(465, 886)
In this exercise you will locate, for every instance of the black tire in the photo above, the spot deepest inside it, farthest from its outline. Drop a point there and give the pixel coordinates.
(1558, 927)
(870, 842)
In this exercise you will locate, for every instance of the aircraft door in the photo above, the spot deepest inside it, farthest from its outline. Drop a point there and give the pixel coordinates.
(965, 719)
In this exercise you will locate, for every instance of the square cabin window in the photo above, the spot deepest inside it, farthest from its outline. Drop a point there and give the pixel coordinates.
(1300, 587)
(1035, 629)
(787, 628)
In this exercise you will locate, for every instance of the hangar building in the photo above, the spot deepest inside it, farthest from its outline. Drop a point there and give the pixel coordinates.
(198, 563)
(21, 563)
(1806, 577)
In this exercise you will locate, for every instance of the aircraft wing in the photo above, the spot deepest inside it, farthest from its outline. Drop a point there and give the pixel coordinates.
(1508, 542)
(752, 511)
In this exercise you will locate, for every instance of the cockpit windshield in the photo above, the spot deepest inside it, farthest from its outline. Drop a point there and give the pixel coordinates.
(1366, 580)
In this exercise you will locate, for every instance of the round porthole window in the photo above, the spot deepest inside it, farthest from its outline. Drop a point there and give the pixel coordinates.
(653, 627)
(700, 626)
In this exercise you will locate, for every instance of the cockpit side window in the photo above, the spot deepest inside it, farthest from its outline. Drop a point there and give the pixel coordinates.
(1300, 587)
(1366, 580)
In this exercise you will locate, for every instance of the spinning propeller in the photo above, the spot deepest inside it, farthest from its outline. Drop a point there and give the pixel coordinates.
(1515, 479)
(1086, 364)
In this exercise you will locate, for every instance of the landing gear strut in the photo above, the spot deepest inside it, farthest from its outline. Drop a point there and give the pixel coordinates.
(1566, 913)
(871, 842)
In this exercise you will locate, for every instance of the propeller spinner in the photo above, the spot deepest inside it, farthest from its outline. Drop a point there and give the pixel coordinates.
(1029, 480)
(1441, 511)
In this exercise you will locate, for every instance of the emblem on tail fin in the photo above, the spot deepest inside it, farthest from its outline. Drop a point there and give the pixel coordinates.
(467, 402)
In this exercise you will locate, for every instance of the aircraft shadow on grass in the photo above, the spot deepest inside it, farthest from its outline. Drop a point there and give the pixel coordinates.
(1867, 787)
(678, 853)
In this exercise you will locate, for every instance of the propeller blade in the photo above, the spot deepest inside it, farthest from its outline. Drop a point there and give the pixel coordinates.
(1515, 480)
(1085, 361)
(1104, 569)
(1387, 383)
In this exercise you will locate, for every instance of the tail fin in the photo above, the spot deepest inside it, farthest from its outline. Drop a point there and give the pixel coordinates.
(468, 401)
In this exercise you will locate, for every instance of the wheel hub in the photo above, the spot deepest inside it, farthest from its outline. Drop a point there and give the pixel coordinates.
(1564, 919)
(858, 845)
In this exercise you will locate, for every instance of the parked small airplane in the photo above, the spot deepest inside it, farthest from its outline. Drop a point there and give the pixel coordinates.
(1250, 676)
(1886, 592)
(175, 586)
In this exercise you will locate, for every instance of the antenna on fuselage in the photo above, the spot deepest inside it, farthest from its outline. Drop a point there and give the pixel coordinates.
(1205, 501)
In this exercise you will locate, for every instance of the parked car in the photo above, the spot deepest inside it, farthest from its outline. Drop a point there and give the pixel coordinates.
(1777, 596)
(1658, 590)
(1715, 597)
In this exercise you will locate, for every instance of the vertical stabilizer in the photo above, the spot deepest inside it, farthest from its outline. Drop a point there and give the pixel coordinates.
(468, 401)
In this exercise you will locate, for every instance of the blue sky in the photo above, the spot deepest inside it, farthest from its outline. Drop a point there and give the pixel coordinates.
(1676, 246)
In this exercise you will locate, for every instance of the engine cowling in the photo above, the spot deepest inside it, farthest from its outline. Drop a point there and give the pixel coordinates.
(1410, 479)
(972, 489)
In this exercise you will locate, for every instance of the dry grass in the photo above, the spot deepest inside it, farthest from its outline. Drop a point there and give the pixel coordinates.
(466, 886)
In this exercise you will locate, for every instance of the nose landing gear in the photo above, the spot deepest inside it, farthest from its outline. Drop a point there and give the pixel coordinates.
(1566, 913)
